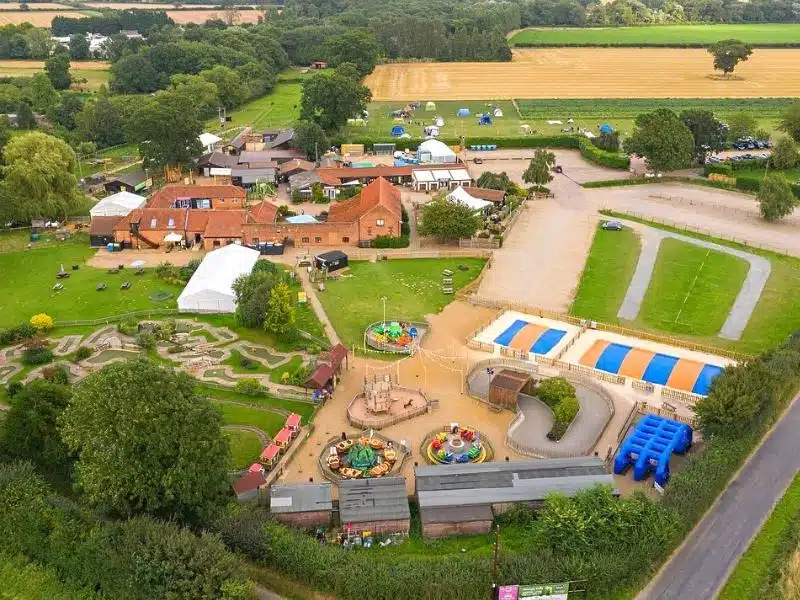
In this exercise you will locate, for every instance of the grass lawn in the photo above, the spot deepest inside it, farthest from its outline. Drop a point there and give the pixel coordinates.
(279, 108)
(412, 287)
(702, 35)
(692, 289)
(305, 409)
(606, 276)
(29, 275)
(266, 420)
(790, 175)
(112, 159)
(758, 572)
(777, 314)
(290, 367)
(234, 361)
(245, 447)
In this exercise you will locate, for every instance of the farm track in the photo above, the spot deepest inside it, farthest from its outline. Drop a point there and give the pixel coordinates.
(591, 73)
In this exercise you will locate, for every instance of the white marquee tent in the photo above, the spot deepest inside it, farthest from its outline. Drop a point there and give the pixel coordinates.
(434, 151)
(461, 195)
(209, 141)
(117, 205)
(211, 287)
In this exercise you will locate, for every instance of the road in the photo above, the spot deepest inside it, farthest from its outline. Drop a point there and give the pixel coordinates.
(701, 566)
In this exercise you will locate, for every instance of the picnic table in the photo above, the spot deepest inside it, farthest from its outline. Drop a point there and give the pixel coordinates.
(101, 286)
(125, 286)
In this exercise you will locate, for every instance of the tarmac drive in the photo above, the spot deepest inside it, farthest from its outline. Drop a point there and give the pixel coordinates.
(701, 566)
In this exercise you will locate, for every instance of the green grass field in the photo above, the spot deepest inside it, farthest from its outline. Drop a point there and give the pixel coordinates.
(305, 409)
(258, 368)
(758, 572)
(790, 175)
(245, 447)
(606, 276)
(112, 159)
(413, 288)
(29, 275)
(761, 34)
(692, 289)
(280, 108)
(266, 420)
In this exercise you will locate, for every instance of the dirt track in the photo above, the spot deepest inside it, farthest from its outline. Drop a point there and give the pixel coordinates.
(591, 73)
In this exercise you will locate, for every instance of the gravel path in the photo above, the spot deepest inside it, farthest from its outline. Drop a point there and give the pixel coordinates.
(745, 302)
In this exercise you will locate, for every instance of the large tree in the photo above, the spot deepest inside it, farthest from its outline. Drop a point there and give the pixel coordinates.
(740, 125)
(199, 90)
(784, 154)
(357, 46)
(662, 140)
(496, 181)
(79, 47)
(280, 316)
(39, 178)
(332, 99)
(231, 90)
(775, 198)
(729, 53)
(70, 107)
(252, 295)
(708, 132)
(57, 69)
(167, 129)
(734, 399)
(311, 139)
(44, 96)
(101, 122)
(538, 171)
(146, 442)
(790, 121)
(448, 220)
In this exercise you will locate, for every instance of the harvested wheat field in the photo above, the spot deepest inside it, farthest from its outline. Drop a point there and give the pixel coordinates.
(37, 18)
(38, 6)
(140, 6)
(201, 16)
(591, 73)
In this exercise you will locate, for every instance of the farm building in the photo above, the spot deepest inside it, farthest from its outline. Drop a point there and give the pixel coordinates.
(377, 505)
(429, 180)
(217, 197)
(332, 261)
(464, 498)
(210, 288)
(292, 167)
(135, 181)
(117, 205)
(248, 486)
(434, 151)
(302, 504)
(495, 196)
(101, 231)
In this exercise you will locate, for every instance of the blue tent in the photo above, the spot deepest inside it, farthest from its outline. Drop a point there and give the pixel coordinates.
(606, 128)
(485, 119)
(463, 112)
(398, 130)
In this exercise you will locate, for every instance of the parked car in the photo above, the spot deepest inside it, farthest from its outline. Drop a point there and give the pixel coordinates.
(612, 226)
(477, 160)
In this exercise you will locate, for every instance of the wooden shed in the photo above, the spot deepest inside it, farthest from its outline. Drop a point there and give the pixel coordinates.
(505, 387)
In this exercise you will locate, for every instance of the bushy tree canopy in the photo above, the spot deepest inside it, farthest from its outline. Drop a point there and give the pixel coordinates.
(330, 100)
(448, 220)
(790, 121)
(784, 154)
(538, 171)
(729, 53)
(708, 132)
(662, 140)
(775, 198)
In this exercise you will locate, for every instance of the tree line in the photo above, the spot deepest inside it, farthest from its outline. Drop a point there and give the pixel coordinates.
(111, 22)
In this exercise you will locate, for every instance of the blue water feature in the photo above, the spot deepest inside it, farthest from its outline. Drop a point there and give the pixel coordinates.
(547, 341)
(504, 339)
(660, 368)
(611, 358)
(705, 378)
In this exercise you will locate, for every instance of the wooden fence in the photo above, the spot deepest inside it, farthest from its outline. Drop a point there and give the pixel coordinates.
(643, 386)
(387, 421)
(492, 243)
(156, 312)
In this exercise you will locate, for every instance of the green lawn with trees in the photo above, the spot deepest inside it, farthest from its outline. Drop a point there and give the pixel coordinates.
(606, 275)
(412, 287)
(757, 34)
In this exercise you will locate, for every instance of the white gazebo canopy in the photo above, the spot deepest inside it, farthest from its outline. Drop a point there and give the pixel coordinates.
(117, 205)
(462, 196)
(211, 287)
(209, 141)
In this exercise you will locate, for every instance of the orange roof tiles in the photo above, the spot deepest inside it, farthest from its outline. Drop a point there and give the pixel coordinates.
(166, 196)
(263, 212)
(225, 224)
(378, 193)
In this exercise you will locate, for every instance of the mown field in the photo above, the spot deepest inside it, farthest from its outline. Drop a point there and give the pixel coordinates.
(760, 34)
(95, 72)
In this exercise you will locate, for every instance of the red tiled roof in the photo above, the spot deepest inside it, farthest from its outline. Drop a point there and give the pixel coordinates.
(248, 483)
(379, 192)
(150, 219)
(284, 435)
(297, 163)
(321, 375)
(293, 420)
(269, 452)
(198, 219)
(486, 193)
(263, 212)
(166, 196)
(328, 179)
(256, 468)
(224, 224)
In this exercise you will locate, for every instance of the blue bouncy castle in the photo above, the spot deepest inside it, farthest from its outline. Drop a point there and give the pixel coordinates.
(650, 447)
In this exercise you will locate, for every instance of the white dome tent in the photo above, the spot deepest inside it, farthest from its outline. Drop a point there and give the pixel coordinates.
(434, 151)
(210, 289)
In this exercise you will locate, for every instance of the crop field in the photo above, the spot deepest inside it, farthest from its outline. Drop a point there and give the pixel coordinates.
(761, 34)
(591, 73)
(37, 18)
(95, 72)
(141, 5)
(201, 16)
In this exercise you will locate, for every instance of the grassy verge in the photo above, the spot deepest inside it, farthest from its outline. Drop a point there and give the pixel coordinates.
(758, 572)
(245, 447)
(692, 289)
(777, 314)
(605, 278)
(304, 409)
(234, 361)
(412, 288)
(265, 420)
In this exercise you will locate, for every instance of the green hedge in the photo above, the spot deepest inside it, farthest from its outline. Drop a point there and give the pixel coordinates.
(748, 165)
(719, 169)
(594, 154)
(390, 241)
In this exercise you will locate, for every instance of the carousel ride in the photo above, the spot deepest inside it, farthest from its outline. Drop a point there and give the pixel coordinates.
(365, 457)
(394, 336)
(456, 445)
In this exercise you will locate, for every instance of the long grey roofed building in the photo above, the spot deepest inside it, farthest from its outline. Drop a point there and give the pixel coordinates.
(301, 497)
(382, 499)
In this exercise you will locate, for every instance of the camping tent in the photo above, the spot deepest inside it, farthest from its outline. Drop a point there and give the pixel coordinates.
(117, 205)
(485, 119)
(430, 106)
(439, 122)
(434, 151)
(498, 112)
(524, 129)
(431, 130)
(398, 130)
(461, 195)
(210, 288)
(463, 112)
(606, 128)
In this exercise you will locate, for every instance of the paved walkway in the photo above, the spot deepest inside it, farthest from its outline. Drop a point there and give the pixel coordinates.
(702, 565)
(745, 302)
(316, 306)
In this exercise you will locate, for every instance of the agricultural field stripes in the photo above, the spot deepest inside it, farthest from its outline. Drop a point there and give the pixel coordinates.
(760, 34)
(591, 73)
